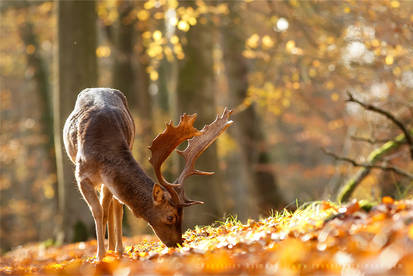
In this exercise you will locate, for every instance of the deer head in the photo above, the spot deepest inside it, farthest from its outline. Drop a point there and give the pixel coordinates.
(169, 199)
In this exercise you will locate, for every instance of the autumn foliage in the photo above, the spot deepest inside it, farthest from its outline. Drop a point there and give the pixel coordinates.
(319, 237)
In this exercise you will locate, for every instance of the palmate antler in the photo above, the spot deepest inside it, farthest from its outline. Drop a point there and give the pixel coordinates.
(171, 137)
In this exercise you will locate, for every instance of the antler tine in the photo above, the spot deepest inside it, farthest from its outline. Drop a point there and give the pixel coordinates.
(196, 146)
(165, 143)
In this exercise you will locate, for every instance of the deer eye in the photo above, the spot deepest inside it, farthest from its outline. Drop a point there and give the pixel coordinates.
(170, 219)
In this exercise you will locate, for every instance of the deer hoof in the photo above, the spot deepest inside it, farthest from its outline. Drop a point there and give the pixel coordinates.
(100, 255)
(119, 250)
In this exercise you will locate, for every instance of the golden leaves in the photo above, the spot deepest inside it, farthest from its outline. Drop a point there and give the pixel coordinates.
(258, 47)
(322, 238)
(183, 26)
(153, 75)
(395, 4)
(273, 99)
(157, 35)
(292, 48)
(107, 11)
(290, 45)
(254, 41)
(267, 42)
(103, 51)
(389, 60)
(159, 44)
(142, 15)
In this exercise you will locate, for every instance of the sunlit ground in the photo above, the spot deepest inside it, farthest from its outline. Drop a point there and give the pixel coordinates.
(318, 237)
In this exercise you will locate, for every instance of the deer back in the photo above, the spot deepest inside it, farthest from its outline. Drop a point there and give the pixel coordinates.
(99, 126)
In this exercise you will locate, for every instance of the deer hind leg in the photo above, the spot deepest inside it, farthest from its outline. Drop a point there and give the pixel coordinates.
(118, 215)
(89, 193)
(106, 202)
(111, 227)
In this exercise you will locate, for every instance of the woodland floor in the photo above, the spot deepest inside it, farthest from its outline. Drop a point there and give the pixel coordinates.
(319, 238)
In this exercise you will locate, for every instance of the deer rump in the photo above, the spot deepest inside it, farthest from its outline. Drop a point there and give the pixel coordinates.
(102, 122)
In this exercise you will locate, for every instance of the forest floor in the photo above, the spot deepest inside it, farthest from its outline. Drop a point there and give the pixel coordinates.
(318, 238)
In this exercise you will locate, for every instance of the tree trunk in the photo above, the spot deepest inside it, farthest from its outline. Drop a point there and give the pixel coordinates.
(123, 71)
(195, 94)
(35, 61)
(42, 89)
(145, 112)
(249, 135)
(77, 69)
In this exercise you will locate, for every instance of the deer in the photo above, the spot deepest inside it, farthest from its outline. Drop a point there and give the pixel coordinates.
(98, 137)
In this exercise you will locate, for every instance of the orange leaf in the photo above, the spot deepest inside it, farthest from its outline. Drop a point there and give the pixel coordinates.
(387, 200)
(352, 208)
(410, 232)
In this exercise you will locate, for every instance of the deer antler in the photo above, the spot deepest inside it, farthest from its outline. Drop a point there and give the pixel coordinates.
(167, 141)
(196, 146)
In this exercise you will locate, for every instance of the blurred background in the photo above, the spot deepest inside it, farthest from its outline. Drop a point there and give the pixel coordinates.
(284, 67)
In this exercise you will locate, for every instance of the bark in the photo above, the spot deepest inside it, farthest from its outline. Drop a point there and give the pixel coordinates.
(195, 94)
(123, 71)
(76, 70)
(375, 156)
(250, 135)
(42, 91)
(41, 80)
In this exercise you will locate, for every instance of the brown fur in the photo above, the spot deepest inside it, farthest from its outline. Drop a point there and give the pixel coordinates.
(98, 136)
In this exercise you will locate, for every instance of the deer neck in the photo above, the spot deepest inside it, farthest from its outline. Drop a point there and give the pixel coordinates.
(132, 186)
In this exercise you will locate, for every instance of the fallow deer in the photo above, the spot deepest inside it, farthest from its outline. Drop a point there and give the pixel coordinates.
(98, 137)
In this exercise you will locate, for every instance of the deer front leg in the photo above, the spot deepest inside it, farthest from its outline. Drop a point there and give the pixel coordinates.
(118, 215)
(106, 202)
(88, 191)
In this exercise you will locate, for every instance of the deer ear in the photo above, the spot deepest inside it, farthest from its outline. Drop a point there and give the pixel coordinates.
(157, 194)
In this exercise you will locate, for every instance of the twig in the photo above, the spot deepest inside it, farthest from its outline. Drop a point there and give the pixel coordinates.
(367, 165)
(394, 155)
(369, 140)
(388, 115)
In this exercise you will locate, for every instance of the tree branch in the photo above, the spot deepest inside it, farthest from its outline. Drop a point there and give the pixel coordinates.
(388, 115)
(375, 156)
(367, 165)
(369, 140)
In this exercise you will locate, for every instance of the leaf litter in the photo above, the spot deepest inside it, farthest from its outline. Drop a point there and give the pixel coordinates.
(318, 238)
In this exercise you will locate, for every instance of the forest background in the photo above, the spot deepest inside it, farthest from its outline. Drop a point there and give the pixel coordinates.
(286, 68)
